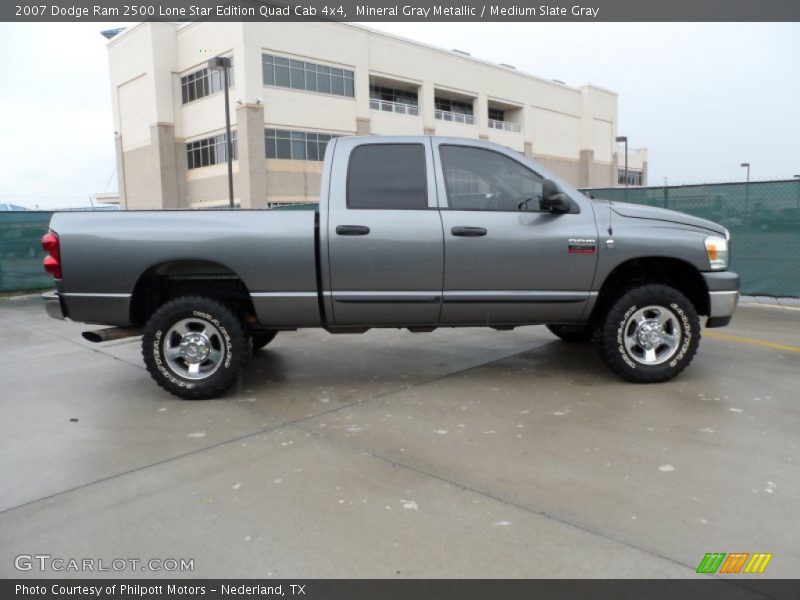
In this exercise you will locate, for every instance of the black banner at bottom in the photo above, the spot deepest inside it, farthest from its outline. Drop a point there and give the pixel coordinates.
(413, 589)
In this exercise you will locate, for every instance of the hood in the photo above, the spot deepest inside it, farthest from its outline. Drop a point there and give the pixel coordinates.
(638, 211)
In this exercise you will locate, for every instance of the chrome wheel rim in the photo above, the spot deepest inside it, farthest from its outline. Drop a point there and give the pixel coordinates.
(194, 349)
(652, 335)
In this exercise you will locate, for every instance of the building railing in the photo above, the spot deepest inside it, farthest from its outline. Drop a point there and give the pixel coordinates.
(396, 107)
(631, 151)
(504, 125)
(444, 115)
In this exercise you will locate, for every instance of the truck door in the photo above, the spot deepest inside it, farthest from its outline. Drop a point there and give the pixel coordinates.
(384, 233)
(506, 261)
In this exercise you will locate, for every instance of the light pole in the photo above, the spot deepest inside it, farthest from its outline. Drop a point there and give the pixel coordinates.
(624, 139)
(747, 189)
(223, 63)
(797, 177)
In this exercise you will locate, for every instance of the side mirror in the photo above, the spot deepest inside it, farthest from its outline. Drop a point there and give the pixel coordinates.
(554, 200)
(557, 203)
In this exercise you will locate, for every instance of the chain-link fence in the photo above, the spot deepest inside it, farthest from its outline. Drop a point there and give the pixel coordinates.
(21, 251)
(763, 218)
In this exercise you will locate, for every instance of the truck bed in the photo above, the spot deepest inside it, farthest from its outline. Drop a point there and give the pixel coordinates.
(105, 254)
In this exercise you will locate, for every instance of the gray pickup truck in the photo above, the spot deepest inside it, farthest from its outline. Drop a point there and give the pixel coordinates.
(410, 232)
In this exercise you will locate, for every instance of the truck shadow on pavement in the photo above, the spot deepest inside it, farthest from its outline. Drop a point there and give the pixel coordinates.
(283, 385)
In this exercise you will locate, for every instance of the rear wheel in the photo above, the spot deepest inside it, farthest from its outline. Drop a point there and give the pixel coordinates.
(195, 347)
(573, 334)
(650, 334)
(262, 338)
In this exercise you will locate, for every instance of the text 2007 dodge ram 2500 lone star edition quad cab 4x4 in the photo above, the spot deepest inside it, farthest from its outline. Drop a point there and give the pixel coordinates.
(416, 232)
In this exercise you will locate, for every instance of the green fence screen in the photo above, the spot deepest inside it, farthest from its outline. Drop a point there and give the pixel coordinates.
(21, 251)
(763, 218)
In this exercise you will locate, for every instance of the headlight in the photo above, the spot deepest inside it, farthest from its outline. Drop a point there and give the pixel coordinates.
(717, 250)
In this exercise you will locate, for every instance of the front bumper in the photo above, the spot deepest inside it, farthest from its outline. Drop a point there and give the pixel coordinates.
(723, 297)
(53, 305)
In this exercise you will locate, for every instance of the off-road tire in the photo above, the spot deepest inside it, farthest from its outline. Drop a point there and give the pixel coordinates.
(612, 332)
(262, 338)
(235, 347)
(573, 334)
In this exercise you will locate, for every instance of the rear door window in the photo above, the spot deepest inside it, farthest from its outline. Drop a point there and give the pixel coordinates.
(387, 176)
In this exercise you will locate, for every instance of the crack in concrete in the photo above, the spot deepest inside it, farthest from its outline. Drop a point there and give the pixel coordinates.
(280, 423)
(298, 425)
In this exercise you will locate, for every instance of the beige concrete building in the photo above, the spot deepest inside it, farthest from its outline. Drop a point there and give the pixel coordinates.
(294, 85)
(637, 166)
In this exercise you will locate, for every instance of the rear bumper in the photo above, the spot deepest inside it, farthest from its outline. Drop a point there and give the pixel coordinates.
(53, 305)
(723, 297)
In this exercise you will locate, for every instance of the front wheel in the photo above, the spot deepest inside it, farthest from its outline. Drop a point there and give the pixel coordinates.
(650, 334)
(195, 347)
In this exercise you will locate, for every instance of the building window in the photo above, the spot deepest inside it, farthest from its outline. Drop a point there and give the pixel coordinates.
(210, 151)
(453, 110)
(497, 120)
(308, 76)
(387, 176)
(387, 99)
(296, 145)
(497, 114)
(453, 106)
(201, 83)
(634, 177)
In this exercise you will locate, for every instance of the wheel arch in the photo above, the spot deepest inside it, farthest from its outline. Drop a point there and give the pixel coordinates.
(673, 272)
(183, 277)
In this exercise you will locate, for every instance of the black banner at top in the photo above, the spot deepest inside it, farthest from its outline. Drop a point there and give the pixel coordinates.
(403, 10)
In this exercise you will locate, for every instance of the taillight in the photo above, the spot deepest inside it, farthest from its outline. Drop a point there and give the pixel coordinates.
(52, 262)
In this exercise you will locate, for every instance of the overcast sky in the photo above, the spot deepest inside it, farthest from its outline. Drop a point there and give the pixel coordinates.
(701, 97)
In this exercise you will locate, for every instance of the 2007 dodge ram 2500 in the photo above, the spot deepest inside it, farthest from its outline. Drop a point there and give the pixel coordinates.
(414, 232)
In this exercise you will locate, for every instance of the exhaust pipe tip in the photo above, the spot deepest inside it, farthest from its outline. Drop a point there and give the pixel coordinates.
(111, 333)
(92, 336)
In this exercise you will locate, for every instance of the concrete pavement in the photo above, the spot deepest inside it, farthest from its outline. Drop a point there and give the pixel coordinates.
(460, 453)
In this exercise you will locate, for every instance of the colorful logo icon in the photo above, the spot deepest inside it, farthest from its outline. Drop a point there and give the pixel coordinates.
(735, 562)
